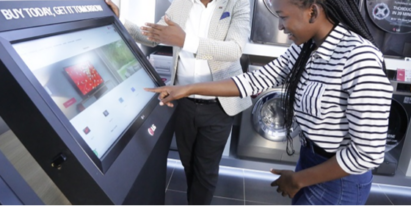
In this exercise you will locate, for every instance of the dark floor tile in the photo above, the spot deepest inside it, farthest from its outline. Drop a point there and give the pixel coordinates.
(397, 195)
(378, 198)
(178, 180)
(175, 198)
(400, 199)
(169, 175)
(230, 184)
(226, 201)
(258, 189)
(256, 203)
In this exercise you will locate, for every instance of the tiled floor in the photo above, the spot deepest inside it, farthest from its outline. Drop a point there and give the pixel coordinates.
(247, 187)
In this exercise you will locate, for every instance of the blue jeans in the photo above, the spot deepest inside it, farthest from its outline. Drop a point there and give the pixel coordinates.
(349, 190)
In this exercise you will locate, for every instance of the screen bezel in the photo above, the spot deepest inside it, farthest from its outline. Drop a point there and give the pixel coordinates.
(117, 147)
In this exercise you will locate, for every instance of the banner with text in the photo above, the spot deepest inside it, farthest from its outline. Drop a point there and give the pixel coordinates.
(21, 14)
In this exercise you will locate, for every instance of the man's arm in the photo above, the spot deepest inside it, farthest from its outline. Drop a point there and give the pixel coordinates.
(135, 32)
(133, 29)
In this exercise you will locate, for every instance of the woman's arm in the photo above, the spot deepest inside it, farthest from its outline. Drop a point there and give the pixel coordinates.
(369, 102)
(290, 182)
(223, 88)
(246, 84)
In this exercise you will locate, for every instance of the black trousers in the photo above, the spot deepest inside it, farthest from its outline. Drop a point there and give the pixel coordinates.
(201, 134)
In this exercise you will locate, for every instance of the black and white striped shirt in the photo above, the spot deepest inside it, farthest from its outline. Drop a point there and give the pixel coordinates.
(342, 101)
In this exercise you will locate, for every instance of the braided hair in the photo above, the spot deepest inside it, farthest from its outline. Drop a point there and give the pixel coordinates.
(345, 12)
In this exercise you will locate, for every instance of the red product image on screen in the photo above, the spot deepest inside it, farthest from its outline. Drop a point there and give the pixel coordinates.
(84, 76)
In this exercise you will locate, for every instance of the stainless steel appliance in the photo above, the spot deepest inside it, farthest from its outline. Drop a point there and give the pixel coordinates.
(397, 128)
(390, 24)
(262, 134)
(264, 26)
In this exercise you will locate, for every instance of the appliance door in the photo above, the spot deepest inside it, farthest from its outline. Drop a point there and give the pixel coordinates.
(265, 23)
(398, 123)
(389, 21)
(262, 134)
(397, 128)
(268, 117)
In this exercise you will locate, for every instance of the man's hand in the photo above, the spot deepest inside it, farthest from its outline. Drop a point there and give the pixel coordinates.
(169, 93)
(113, 7)
(172, 34)
(286, 183)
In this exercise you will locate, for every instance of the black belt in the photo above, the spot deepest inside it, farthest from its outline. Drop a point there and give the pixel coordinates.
(203, 101)
(318, 150)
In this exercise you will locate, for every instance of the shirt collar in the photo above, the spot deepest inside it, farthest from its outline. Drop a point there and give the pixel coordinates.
(328, 47)
(200, 1)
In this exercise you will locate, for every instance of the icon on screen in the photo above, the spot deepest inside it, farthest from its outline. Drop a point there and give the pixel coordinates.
(86, 130)
(121, 100)
(105, 113)
(132, 89)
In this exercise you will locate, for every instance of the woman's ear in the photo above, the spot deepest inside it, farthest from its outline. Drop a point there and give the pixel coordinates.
(314, 13)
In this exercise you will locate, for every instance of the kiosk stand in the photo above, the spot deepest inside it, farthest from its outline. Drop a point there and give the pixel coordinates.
(72, 81)
(13, 189)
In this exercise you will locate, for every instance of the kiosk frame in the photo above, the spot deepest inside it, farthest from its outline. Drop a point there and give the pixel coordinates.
(134, 172)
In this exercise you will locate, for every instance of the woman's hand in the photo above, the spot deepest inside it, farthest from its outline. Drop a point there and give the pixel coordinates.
(286, 183)
(113, 7)
(170, 93)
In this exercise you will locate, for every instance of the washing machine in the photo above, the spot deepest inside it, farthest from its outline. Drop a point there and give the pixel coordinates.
(389, 21)
(390, 24)
(398, 125)
(262, 135)
(264, 25)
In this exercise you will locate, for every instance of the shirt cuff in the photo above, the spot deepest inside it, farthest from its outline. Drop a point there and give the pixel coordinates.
(345, 163)
(191, 43)
(239, 82)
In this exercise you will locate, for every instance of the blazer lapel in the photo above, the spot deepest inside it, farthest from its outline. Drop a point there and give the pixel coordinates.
(220, 8)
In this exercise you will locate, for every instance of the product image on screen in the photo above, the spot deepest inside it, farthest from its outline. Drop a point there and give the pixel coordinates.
(84, 76)
(94, 79)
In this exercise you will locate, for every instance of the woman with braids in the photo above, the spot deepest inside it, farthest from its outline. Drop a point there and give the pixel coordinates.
(337, 91)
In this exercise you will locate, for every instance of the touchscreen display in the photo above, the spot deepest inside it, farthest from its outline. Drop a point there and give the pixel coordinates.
(94, 79)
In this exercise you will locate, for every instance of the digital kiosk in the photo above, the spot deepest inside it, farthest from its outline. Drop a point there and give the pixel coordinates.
(71, 88)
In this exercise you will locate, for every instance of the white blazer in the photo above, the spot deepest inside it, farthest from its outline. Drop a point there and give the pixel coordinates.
(223, 47)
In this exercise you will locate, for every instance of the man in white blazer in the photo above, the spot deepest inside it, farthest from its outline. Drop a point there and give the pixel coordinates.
(208, 38)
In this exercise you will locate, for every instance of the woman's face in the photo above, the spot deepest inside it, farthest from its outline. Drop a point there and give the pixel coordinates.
(294, 20)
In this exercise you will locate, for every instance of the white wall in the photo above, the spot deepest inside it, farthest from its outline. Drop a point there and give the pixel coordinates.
(137, 11)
